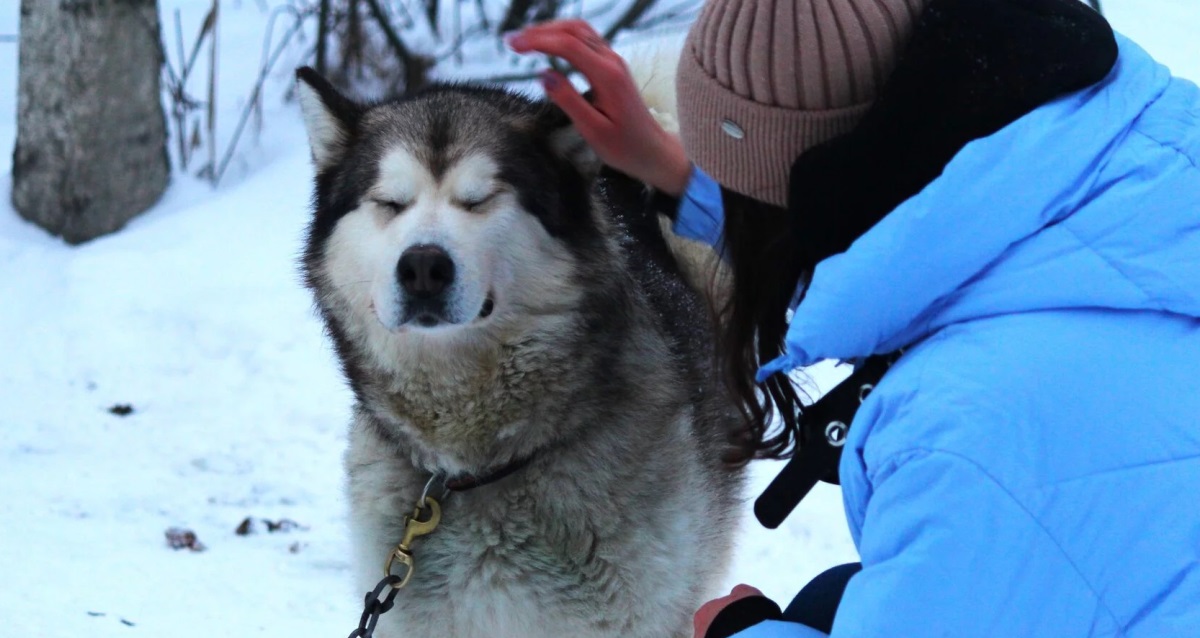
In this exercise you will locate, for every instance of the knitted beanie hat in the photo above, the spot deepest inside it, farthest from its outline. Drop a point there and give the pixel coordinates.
(761, 81)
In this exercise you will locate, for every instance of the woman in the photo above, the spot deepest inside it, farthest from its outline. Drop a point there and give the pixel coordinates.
(1004, 194)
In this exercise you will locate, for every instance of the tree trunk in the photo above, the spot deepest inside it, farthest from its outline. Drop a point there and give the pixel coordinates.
(91, 147)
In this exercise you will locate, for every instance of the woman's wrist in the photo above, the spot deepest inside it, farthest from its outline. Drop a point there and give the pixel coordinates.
(673, 170)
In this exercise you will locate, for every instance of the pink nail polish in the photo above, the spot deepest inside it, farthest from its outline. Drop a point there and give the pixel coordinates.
(514, 40)
(550, 80)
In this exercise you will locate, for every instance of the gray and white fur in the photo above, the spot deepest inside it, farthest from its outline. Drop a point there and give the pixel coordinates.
(495, 296)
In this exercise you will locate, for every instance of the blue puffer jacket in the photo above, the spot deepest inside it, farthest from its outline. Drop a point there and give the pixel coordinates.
(1031, 466)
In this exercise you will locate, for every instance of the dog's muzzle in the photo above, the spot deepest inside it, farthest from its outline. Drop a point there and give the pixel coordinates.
(426, 274)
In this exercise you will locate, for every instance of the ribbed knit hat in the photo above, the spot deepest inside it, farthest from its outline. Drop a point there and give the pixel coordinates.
(761, 81)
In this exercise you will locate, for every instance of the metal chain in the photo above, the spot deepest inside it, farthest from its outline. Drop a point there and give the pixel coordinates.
(374, 606)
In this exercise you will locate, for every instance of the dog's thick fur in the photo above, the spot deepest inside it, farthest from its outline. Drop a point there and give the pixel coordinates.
(568, 337)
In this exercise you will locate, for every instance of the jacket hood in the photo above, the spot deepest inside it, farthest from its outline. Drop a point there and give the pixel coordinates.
(1090, 201)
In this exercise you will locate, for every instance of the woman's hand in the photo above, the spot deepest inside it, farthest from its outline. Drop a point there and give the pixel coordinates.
(709, 610)
(615, 123)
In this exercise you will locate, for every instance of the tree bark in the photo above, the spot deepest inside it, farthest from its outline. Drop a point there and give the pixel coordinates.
(91, 149)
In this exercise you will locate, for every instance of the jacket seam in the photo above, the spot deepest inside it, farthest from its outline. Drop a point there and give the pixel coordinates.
(1152, 299)
(914, 452)
(1169, 147)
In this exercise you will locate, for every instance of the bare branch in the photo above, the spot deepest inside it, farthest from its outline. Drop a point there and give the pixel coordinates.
(179, 39)
(515, 17)
(254, 96)
(483, 17)
(206, 29)
(629, 18)
(431, 13)
(415, 67)
(456, 46)
(678, 15)
(602, 10)
(178, 108)
(211, 120)
(322, 35)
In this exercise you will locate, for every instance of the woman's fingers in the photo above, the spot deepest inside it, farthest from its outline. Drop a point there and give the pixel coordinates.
(590, 122)
(743, 591)
(575, 42)
(615, 122)
(709, 611)
(557, 42)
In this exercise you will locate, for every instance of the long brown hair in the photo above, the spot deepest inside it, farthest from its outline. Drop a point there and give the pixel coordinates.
(767, 264)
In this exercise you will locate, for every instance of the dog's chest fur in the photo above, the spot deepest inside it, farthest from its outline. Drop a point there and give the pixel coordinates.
(544, 553)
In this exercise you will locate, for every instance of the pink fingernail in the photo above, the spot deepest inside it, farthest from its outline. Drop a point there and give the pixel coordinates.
(514, 40)
(550, 80)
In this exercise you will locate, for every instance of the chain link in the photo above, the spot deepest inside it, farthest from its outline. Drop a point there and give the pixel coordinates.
(374, 606)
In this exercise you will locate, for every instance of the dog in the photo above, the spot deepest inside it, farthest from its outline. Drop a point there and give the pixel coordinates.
(517, 329)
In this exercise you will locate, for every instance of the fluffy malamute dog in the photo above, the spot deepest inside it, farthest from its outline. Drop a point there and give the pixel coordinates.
(510, 316)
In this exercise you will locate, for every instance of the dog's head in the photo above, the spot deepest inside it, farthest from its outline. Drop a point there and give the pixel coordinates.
(450, 233)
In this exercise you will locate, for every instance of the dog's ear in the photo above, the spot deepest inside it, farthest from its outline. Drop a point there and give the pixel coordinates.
(567, 143)
(329, 117)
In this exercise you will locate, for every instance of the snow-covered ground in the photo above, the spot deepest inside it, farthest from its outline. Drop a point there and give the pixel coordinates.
(194, 316)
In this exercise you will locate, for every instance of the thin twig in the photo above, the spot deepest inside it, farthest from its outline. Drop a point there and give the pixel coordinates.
(178, 109)
(458, 28)
(678, 9)
(629, 18)
(322, 35)
(258, 86)
(411, 66)
(483, 16)
(212, 85)
(677, 16)
(407, 21)
(179, 42)
(515, 17)
(458, 43)
(205, 31)
(296, 14)
(596, 12)
(431, 14)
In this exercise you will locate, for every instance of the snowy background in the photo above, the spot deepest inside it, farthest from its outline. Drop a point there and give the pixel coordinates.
(194, 316)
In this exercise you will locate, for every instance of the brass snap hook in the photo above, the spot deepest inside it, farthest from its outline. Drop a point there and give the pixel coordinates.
(413, 527)
(406, 560)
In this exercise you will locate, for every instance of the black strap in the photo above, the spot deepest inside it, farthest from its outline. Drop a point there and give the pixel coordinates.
(823, 429)
(464, 482)
(816, 605)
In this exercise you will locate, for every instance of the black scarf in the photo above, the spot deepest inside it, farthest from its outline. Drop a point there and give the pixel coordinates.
(971, 68)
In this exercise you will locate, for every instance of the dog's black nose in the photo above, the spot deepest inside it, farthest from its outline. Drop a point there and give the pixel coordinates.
(425, 271)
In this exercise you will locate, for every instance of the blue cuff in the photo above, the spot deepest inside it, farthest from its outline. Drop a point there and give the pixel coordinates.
(780, 629)
(779, 364)
(701, 215)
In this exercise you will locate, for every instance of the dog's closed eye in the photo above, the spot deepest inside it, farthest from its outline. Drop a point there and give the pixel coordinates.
(393, 206)
(474, 203)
